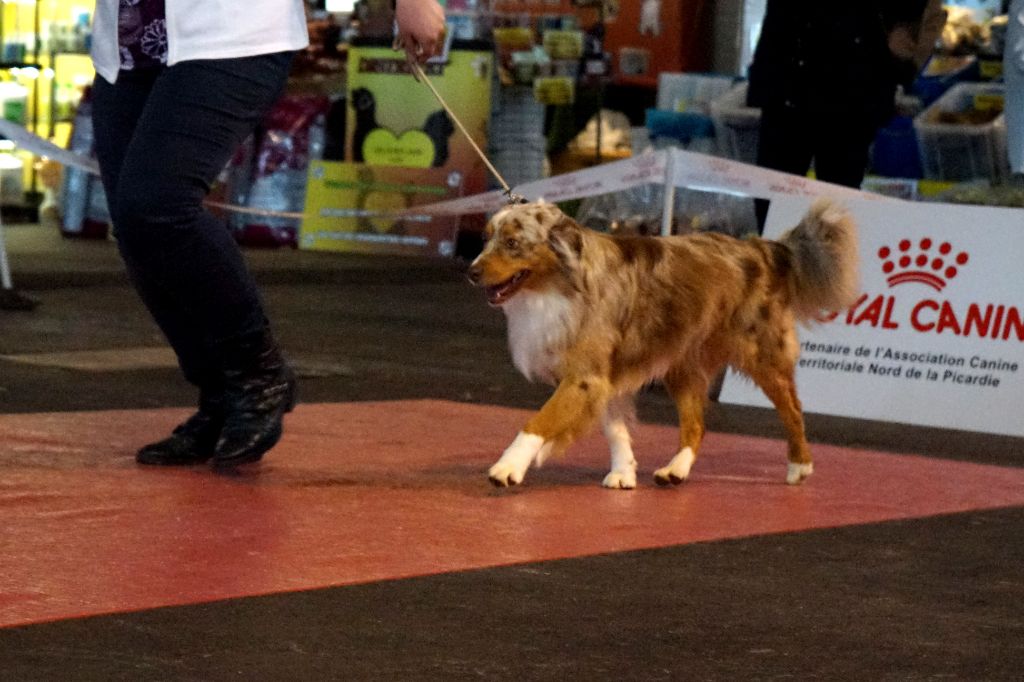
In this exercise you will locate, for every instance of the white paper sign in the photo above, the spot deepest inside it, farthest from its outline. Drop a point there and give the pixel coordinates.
(937, 336)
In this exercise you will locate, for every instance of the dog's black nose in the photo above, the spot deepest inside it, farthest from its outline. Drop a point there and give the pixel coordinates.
(474, 273)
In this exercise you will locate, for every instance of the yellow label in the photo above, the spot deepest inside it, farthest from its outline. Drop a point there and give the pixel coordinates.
(413, 149)
(991, 69)
(564, 44)
(933, 188)
(513, 38)
(556, 91)
(989, 102)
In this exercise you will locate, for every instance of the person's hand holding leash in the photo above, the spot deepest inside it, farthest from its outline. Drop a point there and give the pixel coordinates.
(421, 28)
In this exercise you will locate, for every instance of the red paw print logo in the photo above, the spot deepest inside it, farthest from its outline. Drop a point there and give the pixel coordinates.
(922, 262)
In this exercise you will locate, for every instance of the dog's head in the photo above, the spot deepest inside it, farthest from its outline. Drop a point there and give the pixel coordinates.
(529, 247)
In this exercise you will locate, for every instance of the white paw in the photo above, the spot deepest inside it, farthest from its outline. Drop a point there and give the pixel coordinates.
(665, 476)
(543, 454)
(796, 472)
(678, 470)
(623, 479)
(511, 468)
(506, 474)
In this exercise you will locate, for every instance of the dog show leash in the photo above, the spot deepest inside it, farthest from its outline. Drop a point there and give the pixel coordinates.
(418, 73)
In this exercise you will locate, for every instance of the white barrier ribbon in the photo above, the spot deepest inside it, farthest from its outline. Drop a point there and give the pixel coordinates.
(715, 174)
(477, 203)
(643, 169)
(672, 168)
(611, 177)
(23, 139)
(30, 142)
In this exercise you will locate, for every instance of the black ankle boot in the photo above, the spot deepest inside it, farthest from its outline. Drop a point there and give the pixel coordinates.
(191, 442)
(259, 390)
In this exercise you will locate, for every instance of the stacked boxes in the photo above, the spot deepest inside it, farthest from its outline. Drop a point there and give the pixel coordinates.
(516, 139)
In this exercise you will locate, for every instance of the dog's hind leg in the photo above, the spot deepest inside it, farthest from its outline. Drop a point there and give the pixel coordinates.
(773, 369)
(616, 429)
(575, 406)
(780, 387)
(689, 389)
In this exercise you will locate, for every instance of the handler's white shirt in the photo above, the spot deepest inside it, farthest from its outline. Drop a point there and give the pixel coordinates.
(208, 29)
(1014, 75)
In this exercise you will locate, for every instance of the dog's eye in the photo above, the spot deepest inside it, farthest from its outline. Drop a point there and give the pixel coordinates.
(511, 244)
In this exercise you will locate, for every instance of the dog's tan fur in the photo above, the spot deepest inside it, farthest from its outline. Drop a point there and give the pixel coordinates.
(601, 316)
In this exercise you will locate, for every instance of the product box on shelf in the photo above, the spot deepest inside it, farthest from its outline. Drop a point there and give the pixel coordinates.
(962, 136)
(268, 173)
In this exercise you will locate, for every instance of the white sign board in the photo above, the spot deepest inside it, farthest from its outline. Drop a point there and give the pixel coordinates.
(937, 335)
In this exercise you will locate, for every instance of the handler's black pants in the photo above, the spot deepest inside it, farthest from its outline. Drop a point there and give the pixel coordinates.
(790, 139)
(162, 136)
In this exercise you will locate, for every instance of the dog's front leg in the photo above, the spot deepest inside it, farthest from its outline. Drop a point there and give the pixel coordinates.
(572, 409)
(517, 458)
(616, 429)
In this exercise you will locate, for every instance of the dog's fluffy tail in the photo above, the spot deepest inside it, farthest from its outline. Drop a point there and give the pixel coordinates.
(824, 267)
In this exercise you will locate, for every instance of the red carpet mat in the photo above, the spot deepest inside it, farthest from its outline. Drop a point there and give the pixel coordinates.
(363, 492)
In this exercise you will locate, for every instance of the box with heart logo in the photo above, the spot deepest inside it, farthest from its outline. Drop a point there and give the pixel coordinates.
(370, 209)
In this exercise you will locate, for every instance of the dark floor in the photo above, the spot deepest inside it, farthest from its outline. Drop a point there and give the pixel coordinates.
(939, 597)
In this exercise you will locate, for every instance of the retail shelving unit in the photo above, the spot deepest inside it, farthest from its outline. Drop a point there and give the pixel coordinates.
(44, 66)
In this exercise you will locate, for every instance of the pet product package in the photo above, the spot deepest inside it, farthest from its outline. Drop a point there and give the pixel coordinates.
(269, 171)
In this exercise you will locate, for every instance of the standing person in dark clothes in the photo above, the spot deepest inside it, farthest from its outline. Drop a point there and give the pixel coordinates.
(1013, 69)
(180, 84)
(825, 76)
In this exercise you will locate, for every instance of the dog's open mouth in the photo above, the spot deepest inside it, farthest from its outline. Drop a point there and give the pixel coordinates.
(500, 293)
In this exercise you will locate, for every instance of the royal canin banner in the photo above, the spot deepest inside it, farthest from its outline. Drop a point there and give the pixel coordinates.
(936, 337)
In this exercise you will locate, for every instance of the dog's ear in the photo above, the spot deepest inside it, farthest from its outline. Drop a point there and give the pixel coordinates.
(566, 239)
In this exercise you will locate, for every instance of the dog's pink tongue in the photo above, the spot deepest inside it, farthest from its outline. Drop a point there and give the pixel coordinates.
(499, 293)
(496, 294)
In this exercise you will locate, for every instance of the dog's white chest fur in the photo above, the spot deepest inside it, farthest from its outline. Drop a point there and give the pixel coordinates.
(539, 327)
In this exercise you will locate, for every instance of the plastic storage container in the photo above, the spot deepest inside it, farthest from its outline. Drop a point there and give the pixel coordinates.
(737, 126)
(957, 151)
